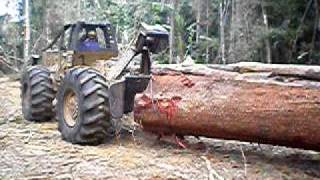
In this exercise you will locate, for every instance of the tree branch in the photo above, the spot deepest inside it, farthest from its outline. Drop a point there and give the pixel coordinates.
(294, 47)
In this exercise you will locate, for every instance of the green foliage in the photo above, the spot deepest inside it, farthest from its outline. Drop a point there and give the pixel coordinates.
(162, 58)
(200, 52)
(10, 38)
(38, 14)
(284, 18)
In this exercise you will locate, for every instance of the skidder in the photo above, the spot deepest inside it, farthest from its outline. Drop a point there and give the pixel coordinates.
(72, 70)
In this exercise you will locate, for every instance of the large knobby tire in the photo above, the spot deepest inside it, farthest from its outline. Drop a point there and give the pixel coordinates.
(37, 94)
(83, 107)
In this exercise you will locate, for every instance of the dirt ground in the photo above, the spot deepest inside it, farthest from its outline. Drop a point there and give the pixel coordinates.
(36, 151)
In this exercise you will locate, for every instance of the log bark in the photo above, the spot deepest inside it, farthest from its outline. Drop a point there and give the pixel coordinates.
(253, 107)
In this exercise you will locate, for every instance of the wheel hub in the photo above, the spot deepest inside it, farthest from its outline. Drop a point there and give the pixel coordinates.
(71, 110)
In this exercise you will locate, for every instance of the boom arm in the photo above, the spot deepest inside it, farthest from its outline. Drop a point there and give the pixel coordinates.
(152, 39)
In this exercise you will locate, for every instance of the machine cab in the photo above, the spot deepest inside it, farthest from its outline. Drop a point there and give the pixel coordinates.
(82, 44)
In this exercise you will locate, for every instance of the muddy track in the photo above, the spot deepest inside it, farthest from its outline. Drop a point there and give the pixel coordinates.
(36, 151)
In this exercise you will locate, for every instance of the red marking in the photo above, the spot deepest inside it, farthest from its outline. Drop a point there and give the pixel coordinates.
(145, 101)
(187, 82)
(168, 107)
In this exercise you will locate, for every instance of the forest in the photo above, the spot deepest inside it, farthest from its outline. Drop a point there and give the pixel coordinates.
(203, 31)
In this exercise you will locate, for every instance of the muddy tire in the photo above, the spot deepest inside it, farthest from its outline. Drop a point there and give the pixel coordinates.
(83, 107)
(37, 94)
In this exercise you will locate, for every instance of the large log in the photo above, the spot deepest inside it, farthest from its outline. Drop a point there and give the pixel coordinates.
(254, 107)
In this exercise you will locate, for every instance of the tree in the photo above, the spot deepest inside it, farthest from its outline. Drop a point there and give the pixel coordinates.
(267, 41)
(27, 34)
(173, 31)
(223, 12)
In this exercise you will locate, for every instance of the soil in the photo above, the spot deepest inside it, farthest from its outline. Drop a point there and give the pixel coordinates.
(36, 151)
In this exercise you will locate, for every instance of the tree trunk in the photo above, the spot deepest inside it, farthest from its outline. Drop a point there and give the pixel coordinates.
(245, 36)
(254, 107)
(231, 56)
(27, 35)
(172, 32)
(198, 30)
(47, 24)
(315, 29)
(207, 30)
(222, 39)
(79, 9)
(267, 41)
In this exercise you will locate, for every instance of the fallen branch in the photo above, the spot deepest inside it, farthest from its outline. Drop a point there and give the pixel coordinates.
(3, 59)
(213, 175)
(11, 57)
(7, 68)
(244, 161)
(294, 46)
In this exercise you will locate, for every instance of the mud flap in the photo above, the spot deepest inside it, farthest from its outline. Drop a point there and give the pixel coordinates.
(122, 94)
(116, 98)
(134, 85)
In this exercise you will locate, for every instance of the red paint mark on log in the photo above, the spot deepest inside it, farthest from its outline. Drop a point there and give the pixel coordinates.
(168, 107)
(187, 82)
(159, 107)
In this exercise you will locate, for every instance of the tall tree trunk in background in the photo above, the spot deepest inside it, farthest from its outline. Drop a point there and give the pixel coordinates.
(27, 35)
(231, 56)
(46, 23)
(198, 30)
(172, 32)
(200, 16)
(319, 13)
(207, 30)
(98, 5)
(245, 31)
(316, 25)
(162, 4)
(267, 40)
(64, 11)
(57, 13)
(222, 39)
(79, 9)
(241, 31)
